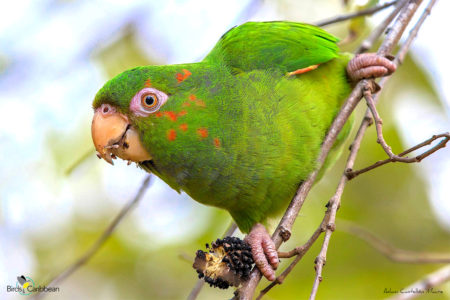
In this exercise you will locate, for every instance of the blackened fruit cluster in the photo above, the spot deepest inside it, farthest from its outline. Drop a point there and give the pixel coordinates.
(239, 255)
(227, 262)
(218, 282)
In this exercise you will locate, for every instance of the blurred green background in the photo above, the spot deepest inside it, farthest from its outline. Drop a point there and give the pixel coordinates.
(55, 54)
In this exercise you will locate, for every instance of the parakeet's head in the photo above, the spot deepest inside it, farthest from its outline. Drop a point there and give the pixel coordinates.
(131, 100)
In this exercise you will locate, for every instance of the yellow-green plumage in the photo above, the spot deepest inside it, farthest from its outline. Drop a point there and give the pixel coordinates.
(237, 132)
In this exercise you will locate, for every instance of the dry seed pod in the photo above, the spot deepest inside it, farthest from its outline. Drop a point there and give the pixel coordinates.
(227, 263)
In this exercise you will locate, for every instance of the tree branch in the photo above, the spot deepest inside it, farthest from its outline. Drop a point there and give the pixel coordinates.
(378, 31)
(367, 121)
(361, 13)
(89, 153)
(101, 240)
(388, 149)
(299, 252)
(391, 252)
(418, 158)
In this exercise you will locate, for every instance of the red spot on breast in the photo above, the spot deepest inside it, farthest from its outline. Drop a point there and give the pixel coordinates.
(200, 103)
(182, 76)
(217, 142)
(192, 97)
(184, 127)
(182, 113)
(171, 115)
(179, 77)
(202, 132)
(148, 83)
(171, 134)
(187, 73)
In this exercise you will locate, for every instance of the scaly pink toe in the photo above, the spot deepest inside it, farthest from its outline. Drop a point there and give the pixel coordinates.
(263, 250)
(369, 65)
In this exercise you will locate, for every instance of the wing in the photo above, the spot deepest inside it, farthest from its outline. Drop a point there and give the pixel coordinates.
(287, 46)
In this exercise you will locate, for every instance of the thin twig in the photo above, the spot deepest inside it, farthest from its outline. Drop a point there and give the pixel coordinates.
(367, 121)
(396, 30)
(361, 13)
(299, 251)
(418, 158)
(378, 31)
(391, 252)
(79, 161)
(426, 285)
(186, 257)
(388, 149)
(196, 289)
(333, 206)
(101, 240)
(199, 284)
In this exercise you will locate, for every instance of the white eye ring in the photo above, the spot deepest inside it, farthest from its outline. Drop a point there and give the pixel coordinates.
(147, 101)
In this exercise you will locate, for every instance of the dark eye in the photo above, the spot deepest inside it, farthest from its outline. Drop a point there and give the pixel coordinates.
(149, 101)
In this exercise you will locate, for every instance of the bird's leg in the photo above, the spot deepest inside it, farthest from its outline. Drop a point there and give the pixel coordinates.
(263, 250)
(369, 65)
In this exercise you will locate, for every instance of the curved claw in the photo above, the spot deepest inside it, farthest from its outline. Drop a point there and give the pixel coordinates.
(263, 250)
(369, 65)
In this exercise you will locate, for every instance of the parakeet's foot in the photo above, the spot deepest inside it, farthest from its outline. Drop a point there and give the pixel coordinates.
(369, 65)
(263, 250)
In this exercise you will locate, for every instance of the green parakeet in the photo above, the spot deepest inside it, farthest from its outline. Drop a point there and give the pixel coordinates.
(239, 130)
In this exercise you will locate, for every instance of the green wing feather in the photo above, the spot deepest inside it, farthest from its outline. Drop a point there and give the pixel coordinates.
(287, 46)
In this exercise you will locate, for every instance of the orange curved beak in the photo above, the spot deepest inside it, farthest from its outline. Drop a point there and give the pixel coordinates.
(113, 136)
